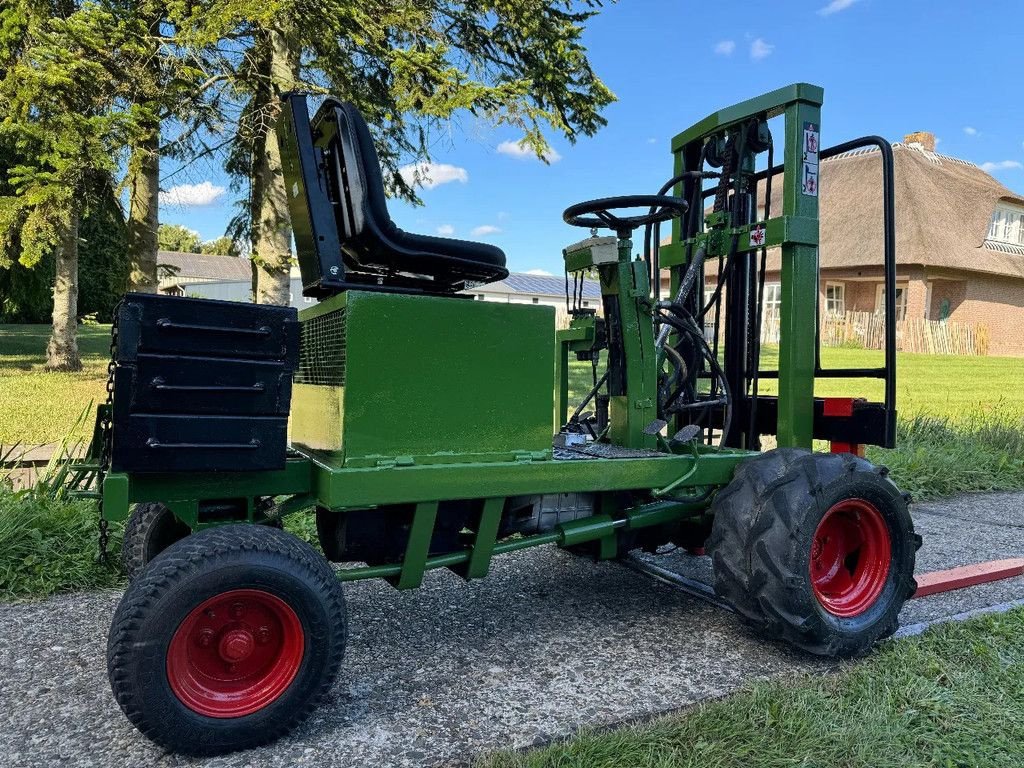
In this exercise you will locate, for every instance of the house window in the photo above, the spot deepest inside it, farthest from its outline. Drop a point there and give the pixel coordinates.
(772, 299)
(536, 300)
(835, 298)
(586, 303)
(1007, 225)
(901, 301)
(480, 297)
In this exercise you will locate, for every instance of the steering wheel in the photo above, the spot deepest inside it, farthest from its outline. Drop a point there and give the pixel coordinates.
(596, 214)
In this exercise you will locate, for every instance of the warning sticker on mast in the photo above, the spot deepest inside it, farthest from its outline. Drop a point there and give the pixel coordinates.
(809, 180)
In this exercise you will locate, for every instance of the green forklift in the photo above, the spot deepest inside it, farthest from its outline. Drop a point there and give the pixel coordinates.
(426, 430)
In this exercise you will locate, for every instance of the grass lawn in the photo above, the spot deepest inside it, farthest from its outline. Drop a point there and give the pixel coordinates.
(39, 406)
(946, 386)
(960, 417)
(953, 697)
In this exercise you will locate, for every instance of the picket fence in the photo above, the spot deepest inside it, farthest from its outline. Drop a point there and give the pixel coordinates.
(867, 330)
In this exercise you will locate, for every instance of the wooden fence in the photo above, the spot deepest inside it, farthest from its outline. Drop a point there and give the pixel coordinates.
(867, 330)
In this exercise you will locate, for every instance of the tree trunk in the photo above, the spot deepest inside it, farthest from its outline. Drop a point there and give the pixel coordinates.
(62, 351)
(272, 234)
(143, 214)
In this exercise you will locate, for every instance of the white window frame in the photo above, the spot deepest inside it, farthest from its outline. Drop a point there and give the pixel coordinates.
(829, 302)
(901, 300)
(1007, 224)
(772, 299)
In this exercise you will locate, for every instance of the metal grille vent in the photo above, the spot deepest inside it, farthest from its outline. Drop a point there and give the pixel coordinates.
(322, 351)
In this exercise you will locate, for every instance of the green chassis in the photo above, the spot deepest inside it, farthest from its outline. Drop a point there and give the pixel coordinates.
(663, 480)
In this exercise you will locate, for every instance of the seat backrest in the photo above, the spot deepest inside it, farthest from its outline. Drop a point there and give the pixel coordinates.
(358, 165)
(309, 205)
(343, 232)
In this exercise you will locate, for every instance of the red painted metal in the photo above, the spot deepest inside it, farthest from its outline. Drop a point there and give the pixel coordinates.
(857, 449)
(968, 576)
(851, 555)
(235, 653)
(838, 406)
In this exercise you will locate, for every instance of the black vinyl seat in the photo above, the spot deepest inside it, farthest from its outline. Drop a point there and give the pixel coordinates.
(370, 241)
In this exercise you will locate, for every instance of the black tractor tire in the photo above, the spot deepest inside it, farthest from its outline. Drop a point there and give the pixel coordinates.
(151, 529)
(228, 640)
(767, 530)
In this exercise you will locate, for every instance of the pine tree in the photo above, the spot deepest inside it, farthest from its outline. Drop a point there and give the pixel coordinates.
(61, 80)
(410, 67)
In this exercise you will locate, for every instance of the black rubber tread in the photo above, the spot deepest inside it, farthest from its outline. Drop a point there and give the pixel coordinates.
(760, 546)
(204, 564)
(150, 529)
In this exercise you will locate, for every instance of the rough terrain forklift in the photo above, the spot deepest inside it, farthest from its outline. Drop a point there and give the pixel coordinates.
(429, 430)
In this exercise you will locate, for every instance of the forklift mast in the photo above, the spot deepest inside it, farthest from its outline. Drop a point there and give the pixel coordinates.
(734, 233)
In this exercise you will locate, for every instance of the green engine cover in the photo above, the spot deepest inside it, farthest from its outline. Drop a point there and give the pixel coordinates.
(389, 379)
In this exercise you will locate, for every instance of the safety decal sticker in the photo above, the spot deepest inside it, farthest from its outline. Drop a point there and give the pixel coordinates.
(809, 181)
(757, 235)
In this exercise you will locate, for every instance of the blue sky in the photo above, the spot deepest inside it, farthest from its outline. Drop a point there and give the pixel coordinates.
(888, 67)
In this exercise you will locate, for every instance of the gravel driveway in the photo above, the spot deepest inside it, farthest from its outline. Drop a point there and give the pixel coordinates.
(546, 644)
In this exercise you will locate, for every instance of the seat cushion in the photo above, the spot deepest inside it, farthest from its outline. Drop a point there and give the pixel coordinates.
(379, 242)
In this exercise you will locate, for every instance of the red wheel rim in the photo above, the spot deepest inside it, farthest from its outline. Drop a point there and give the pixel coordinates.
(235, 653)
(851, 555)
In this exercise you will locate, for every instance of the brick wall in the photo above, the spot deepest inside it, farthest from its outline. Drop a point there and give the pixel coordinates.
(998, 302)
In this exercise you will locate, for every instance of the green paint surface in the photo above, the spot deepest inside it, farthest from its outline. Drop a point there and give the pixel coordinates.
(431, 380)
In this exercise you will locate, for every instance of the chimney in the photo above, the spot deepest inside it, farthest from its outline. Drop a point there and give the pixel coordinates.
(923, 139)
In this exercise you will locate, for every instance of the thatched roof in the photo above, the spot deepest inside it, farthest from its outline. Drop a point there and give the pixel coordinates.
(944, 209)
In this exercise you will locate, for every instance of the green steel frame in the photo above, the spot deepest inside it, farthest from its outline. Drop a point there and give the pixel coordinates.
(795, 232)
(668, 484)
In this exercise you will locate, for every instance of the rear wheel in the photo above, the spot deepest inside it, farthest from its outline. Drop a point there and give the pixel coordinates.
(228, 640)
(151, 529)
(815, 549)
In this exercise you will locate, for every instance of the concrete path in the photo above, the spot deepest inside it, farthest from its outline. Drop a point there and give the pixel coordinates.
(547, 644)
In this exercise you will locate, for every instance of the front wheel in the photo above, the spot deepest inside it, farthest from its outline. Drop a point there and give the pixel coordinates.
(151, 529)
(228, 640)
(815, 549)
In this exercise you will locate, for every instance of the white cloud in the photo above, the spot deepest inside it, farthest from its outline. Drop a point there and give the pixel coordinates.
(835, 7)
(652, 140)
(446, 230)
(485, 229)
(725, 47)
(542, 272)
(1002, 165)
(430, 175)
(192, 195)
(521, 151)
(970, 131)
(759, 49)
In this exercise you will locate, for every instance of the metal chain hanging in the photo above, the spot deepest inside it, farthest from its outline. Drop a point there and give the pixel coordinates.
(106, 437)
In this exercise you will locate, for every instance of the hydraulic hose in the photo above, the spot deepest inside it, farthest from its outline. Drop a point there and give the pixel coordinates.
(685, 286)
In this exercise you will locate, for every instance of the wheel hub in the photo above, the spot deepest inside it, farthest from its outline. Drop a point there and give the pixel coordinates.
(235, 653)
(851, 557)
(236, 645)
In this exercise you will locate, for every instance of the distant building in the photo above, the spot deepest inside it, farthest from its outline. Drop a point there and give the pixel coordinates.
(179, 272)
(229, 278)
(550, 290)
(959, 241)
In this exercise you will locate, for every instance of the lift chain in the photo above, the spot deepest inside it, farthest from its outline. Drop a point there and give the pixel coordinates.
(106, 437)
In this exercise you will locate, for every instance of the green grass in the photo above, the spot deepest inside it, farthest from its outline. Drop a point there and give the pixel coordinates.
(946, 386)
(49, 546)
(951, 698)
(40, 406)
(941, 456)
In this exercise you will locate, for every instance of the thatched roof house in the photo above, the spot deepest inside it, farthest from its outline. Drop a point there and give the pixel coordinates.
(959, 241)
